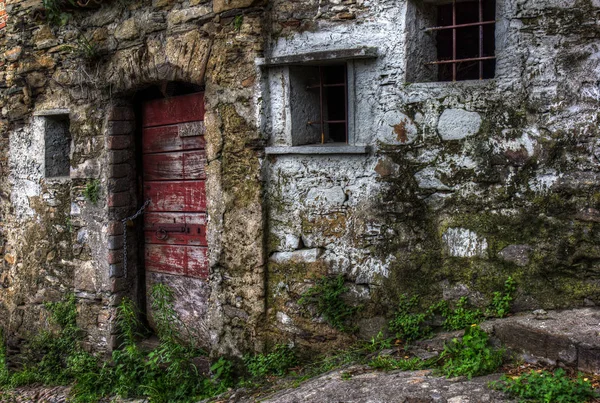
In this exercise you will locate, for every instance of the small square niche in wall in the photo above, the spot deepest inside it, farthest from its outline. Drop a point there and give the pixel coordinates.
(57, 140)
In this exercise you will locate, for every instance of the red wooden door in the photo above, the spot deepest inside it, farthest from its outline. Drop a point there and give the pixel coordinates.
(174, 180)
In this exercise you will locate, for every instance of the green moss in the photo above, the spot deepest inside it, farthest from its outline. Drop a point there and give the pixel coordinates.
(240, 165)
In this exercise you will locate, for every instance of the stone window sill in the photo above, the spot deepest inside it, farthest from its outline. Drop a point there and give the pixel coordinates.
(452, 84)
(318, 149)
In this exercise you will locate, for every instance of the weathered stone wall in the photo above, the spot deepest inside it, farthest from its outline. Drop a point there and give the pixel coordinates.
(446, 190)
(55, 240)
(467, 183)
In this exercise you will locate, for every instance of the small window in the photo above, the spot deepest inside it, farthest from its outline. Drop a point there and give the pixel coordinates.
(319, 104)
(57, 146)
(456, 40)
(465, 40)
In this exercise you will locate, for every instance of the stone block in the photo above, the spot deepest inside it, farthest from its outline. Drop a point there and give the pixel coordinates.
(118, 127)
(326, 197)
(589, 359)
(114, 228)
(298, 256)
(120, 156)
(118, 142)
(127, 30)
(115, 256)
(121, 199)
(177, 17)
(120, 185)
(461, 242)
(120, 113)
(84, 278)
(115, 270)
(119, 170)
(456, 124)
(115, 242)
(517, 254)
(224, 5)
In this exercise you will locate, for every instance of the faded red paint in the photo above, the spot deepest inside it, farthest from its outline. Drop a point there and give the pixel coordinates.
(174, 162)
(186, 108)
(3, 15)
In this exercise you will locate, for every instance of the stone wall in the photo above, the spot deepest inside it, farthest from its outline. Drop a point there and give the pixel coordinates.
(445, 189)
(89, 67)
(466, 183)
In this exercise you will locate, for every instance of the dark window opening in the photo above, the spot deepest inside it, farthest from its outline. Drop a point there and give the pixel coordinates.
(57, 139)
(465, 40)
(329, 84)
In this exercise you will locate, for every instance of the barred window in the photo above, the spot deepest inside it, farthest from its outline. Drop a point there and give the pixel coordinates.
(465, 40)
(319, 100)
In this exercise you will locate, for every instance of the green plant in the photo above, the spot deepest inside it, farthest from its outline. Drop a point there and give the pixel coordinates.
(45, 357)
(4, 373)
(91, 192)
(378, 342)
(276, 362)
(55, 11)
(500, 305)
(461, 317)
(165, 374)
(86, 48)
(408, 324)
(547, 387)
(470, 356)
(326, 297)
(238, 21)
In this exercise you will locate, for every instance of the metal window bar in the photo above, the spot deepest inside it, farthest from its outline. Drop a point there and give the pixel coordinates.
(454, 27)
(322, 121)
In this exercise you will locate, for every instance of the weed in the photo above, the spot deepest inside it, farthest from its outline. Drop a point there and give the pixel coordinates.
(92, 191)
(547, 387)
(165, 374)
(326, 297)
(388, 363)
(379, 342)
(4, 373)
(237, 22)
(55, 12)
(346, 376)
(461, 317)
(276, 362)
(69, 224)
(470, 356)
(500, 305)
(86, 48)
(411, 323)
(407, 324)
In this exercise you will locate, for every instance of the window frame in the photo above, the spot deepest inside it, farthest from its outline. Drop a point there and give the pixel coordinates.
(279, 119)
(454, 27)
(324, 116)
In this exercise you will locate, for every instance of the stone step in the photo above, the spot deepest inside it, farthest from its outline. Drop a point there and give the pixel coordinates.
(569, 337)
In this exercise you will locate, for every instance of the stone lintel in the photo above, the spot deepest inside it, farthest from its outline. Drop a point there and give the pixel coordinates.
(320, 57)
(318, 149)
(51, 112)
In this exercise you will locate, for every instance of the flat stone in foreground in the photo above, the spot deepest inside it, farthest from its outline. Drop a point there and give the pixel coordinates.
(368, 386)
(570, 337)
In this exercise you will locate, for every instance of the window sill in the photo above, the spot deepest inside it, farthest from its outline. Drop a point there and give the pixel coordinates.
(318, 149)
(452, 84)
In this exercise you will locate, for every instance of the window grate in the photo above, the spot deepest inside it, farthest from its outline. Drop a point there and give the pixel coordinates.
(465, 42)
(333, 105)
